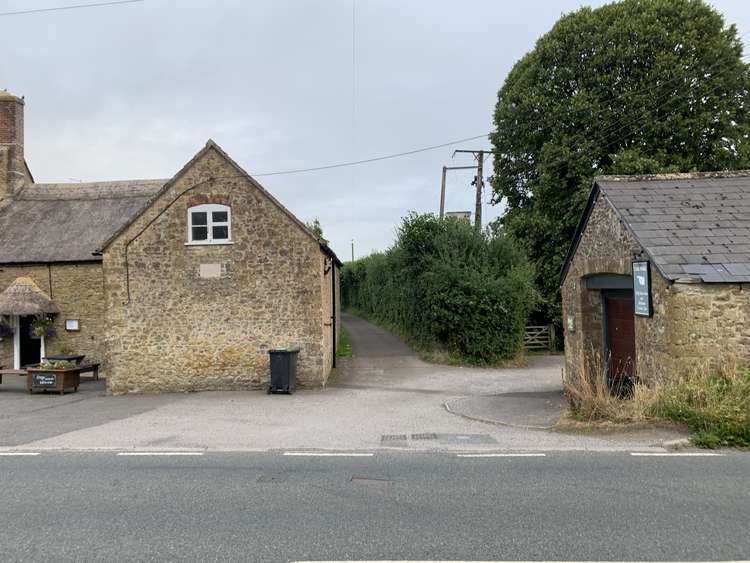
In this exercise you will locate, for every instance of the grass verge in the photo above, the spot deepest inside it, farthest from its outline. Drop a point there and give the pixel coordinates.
(716, 408)
(713, 403)
(344, 347)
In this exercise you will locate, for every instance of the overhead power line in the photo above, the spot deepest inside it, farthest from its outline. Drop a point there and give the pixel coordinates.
(374, 159)
(72, 7)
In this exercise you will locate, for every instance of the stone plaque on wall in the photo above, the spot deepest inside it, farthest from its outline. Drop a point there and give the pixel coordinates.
(642, 289)
(209, 270)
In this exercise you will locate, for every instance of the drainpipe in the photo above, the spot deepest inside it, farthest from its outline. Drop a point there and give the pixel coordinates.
(333, 308)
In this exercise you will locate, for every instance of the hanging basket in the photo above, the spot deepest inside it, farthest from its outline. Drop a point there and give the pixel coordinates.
(42, 327)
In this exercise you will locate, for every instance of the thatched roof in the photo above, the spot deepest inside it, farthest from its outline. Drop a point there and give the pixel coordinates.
(23, 297)
(69, 222)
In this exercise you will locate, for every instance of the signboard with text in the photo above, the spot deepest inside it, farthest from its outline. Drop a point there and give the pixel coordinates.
(44, 380)
(642, 289)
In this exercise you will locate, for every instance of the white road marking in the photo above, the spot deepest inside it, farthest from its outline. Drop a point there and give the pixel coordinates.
(159, 453)
(503, 455)
(328, 454)
(676, 454)
(18, 453)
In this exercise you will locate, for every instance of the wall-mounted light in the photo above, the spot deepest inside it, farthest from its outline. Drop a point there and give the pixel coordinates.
(71, 325)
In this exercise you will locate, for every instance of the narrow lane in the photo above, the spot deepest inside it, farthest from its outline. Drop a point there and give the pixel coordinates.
(371, 341)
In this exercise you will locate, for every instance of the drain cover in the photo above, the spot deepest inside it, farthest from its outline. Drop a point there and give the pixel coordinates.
(393, 437)
(425, 436)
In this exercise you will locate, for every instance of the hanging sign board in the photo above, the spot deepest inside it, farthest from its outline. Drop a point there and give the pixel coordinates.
(642, 289)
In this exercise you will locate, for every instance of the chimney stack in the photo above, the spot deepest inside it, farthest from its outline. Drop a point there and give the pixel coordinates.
(12, 165)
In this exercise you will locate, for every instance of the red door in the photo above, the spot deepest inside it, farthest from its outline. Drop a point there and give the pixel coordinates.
(620, 340)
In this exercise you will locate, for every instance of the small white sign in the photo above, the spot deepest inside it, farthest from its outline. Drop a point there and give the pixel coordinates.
(641, 289)
(72, 325)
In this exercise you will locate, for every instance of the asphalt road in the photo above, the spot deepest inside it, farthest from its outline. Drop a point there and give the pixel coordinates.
(275, 507)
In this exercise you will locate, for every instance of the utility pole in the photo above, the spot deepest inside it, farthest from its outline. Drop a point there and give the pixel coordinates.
(442, 193)
(478, 182)
(442, 185)
(352, 250)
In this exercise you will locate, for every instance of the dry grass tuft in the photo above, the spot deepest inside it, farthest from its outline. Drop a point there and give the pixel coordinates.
(713, 399)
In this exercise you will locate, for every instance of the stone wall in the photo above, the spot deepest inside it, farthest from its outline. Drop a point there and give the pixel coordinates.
(179, 331)
(708, 324)
(77, 289)
(692, 324)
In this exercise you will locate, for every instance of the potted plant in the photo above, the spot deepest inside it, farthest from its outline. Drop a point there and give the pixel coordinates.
(42, 327)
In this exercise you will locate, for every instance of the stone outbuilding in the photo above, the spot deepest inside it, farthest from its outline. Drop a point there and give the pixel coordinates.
(655, 282)
(173, 285)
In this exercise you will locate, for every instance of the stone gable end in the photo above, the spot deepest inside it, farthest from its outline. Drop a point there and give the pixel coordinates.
(182, 317)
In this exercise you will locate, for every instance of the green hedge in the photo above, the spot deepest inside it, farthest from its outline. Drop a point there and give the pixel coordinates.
(445, 284)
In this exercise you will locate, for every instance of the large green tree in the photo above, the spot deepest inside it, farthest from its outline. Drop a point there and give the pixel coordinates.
(638, 86)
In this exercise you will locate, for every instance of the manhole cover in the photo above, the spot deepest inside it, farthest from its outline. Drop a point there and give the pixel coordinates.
(425, 436)
(393, 437)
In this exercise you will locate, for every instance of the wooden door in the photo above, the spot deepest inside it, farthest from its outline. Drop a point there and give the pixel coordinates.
(620, 341)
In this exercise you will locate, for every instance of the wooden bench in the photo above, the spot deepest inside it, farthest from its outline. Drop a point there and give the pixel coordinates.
(3, 372)
(93, 368)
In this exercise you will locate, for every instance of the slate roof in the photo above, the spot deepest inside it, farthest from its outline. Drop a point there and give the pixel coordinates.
(69, 222)
(694, 227)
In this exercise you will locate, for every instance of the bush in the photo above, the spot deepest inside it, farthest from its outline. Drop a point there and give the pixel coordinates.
(443, 284)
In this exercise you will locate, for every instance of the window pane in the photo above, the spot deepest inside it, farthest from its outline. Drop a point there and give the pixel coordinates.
(200, 233)
(200, 218)
(221, 233)
(219, 216)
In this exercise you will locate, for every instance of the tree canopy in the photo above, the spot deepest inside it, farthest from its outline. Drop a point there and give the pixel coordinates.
(634, 87)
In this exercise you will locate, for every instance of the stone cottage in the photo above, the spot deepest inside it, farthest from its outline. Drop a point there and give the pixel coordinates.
(656, 279)
(176, 284)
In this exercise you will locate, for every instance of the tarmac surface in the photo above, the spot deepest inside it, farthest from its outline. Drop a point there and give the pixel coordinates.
(526, 409)
(383, 397)
(273, 507)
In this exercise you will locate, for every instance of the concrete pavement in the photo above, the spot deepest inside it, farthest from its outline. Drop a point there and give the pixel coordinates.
(383, 397)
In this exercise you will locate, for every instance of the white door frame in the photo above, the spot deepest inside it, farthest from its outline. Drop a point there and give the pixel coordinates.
(16, 324)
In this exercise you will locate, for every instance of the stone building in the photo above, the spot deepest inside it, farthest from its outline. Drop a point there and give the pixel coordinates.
(656, 279)
(173, 285)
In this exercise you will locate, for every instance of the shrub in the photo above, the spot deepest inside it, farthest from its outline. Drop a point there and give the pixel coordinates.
(444, 284)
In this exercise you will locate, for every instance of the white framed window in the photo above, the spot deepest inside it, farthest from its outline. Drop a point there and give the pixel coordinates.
(210, 223)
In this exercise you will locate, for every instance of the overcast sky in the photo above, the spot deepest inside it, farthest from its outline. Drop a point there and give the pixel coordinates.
(133, 91)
